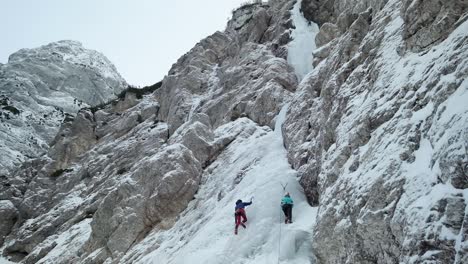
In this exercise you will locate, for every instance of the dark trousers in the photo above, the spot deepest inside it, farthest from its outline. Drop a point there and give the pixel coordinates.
(287, 210)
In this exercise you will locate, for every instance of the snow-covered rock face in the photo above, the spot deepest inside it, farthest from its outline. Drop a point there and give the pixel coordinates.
(40, 87)
(232, 74)
(375, 136)
(378, 132)
(135, 165)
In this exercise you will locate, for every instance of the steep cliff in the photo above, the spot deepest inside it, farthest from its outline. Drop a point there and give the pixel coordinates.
(378, 131)
(368, 135)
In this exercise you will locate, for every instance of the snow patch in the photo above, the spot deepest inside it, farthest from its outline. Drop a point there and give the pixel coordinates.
(5, 261)
(68, 243)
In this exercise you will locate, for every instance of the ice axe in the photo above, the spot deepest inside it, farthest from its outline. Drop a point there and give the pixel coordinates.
(284, 186)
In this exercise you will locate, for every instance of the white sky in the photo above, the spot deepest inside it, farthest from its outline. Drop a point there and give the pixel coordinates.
(143, 38)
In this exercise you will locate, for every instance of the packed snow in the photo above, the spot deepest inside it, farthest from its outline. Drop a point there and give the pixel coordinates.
(73, 238)
(252, 167)
(302, 44)
(5, 261)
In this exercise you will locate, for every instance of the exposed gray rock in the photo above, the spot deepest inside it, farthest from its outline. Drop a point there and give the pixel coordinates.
(430, 22)
(376, 134)
(370, 136)
(341, 12)
(252, 82)
(72, 140)
(9, 215)
(328, 32)
(41, 87)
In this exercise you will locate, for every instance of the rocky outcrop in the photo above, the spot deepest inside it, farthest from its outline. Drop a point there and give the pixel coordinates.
(430, 22)
(229, 75)
(362, 132)
(41, 87)
(341, 13)
(9, 214)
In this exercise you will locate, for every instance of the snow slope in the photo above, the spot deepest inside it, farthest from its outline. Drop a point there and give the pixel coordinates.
(4, 261)
(205, 231)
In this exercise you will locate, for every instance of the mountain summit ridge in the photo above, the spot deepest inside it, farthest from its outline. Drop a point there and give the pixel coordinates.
(40, 86)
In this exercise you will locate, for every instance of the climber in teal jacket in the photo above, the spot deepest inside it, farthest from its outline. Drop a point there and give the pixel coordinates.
(287, 205)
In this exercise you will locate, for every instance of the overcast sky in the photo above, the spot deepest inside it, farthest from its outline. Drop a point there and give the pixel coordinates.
(143, 38)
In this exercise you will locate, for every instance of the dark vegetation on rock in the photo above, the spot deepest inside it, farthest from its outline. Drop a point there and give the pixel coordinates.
(138, 92)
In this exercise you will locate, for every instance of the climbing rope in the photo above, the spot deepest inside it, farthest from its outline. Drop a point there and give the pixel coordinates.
(279, 240)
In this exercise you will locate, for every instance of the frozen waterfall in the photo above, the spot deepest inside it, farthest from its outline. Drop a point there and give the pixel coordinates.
(302, 44)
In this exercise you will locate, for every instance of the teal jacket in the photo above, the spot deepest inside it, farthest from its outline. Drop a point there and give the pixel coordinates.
(287, 200)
